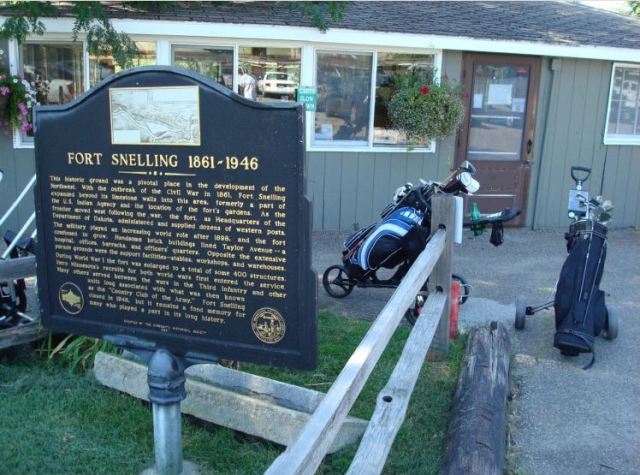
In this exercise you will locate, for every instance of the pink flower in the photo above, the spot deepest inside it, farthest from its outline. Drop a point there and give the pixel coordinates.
(22, 108)
(25, 126)
(2, 76)
(424, 90)
(4, 90)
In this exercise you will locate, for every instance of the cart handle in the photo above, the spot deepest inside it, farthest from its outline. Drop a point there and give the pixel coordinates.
(580, 180)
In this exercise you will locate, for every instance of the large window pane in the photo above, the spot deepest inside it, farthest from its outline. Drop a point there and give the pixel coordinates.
(390, 67)
(276, 72)
(101, 67)
(215, 63)
(624, 105)
(55, 70)
(344, 87)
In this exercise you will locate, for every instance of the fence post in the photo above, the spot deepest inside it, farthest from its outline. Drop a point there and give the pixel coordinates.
(442, 215)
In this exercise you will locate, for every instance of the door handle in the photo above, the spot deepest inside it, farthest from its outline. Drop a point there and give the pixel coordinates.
(529, 146)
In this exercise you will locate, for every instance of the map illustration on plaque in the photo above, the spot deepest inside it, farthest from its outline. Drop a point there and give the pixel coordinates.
(155, 115)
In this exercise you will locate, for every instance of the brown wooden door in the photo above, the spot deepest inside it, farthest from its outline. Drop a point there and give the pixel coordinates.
(499, 130)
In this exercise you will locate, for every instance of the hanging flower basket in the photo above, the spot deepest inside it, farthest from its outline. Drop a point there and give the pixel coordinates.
(424, 109)
(17, 98)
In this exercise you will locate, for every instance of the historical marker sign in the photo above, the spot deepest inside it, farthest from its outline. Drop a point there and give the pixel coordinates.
(173, 211)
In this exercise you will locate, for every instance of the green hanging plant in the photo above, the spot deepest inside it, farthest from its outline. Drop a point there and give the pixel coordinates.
(424, 109)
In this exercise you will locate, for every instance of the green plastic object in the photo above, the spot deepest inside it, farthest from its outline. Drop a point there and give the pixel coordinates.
(476, 229)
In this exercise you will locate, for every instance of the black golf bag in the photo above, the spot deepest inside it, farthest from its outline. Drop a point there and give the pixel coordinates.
(579, 303)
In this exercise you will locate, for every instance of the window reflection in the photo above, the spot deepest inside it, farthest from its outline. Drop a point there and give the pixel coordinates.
(344, 86)
(54, 69)
(215, 63)
(276, 72)
(101, 67)
(624, 107)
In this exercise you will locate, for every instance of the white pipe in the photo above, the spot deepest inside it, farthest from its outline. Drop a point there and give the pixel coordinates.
(18, 200)
(18, 236)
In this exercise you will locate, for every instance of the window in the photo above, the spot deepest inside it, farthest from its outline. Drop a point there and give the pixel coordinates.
(102, 67)
(275, 72)
(55, 70)
(214, 62)
(623, 116)
(344, 88)
(353, 86)
(389, 68)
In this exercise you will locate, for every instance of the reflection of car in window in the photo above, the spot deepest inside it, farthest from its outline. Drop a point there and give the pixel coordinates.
(277, 84)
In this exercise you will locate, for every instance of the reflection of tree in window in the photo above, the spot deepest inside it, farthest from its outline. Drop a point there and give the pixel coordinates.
(101, 67)
(215, 63)
(624, 105)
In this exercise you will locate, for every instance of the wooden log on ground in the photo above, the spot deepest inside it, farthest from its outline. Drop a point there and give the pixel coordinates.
(476, 440)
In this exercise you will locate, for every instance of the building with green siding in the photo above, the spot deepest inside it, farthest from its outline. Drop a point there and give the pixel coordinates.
(547, 85)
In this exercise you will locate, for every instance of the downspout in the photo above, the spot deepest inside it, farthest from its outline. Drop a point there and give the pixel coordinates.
(556, 64)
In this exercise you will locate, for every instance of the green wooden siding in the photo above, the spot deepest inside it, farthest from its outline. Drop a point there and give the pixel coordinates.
(573, 135)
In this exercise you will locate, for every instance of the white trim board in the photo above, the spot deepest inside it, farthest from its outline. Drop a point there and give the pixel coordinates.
(305, 35)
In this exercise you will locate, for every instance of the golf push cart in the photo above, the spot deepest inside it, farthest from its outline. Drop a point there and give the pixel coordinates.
(580, 310)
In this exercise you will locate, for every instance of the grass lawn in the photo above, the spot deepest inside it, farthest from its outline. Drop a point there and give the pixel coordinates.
(55, 421)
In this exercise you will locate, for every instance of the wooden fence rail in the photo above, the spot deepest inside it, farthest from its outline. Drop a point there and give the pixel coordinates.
(10, 270)
(19, 268)
(306, 453)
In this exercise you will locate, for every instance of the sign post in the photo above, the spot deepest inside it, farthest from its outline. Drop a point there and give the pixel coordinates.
(173, 222)
(166, 390)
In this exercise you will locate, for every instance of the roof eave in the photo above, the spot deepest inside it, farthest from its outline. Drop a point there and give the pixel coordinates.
(339, 36)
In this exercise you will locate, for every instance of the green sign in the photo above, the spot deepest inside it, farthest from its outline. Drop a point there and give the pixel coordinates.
(309, 97)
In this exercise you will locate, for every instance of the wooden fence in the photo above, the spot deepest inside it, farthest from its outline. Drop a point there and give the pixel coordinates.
(431, 332)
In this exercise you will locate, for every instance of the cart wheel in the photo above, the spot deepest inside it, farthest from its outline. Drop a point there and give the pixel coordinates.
(611, 323)
(413, 312)
(521, 312)
(336, 282)
(465, 288)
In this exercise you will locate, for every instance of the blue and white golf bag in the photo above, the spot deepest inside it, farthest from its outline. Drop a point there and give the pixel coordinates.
(397, 237)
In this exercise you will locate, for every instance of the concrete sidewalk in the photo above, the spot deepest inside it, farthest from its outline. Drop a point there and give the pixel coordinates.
(567, 421)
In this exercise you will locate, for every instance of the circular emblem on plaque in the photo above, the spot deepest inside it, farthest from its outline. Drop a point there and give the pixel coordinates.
(268, 325)
(71, 298)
